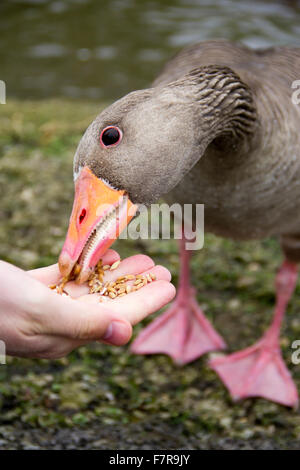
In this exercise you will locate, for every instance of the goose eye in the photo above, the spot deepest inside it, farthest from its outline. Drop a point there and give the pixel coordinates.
(110, 136)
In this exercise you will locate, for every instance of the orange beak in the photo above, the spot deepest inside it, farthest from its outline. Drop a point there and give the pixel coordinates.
(99, 215)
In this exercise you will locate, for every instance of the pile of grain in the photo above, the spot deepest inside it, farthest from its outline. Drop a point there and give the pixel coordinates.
(122, 286)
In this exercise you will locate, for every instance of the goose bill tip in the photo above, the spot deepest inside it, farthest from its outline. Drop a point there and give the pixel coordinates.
(99, 214)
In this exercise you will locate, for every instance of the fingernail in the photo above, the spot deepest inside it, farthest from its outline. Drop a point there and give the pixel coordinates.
(116, 332)
(109, 331)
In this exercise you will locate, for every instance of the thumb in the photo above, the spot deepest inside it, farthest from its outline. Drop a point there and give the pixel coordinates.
(76, 320)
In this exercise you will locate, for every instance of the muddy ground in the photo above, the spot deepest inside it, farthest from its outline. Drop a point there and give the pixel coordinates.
(103, 397)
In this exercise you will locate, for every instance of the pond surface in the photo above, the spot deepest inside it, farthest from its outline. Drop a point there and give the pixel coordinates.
(100, 50)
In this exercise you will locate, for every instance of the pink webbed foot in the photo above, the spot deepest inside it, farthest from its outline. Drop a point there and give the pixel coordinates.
(182, 332)
(257, 371)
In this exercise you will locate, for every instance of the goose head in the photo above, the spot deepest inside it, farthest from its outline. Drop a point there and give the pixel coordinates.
(135, 151)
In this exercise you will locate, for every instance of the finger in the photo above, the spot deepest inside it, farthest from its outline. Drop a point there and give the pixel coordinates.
(51, 274)
(143, 302)
(160, 272)
(48, 275)
(110, 257)
(137, 305)
(133, 265)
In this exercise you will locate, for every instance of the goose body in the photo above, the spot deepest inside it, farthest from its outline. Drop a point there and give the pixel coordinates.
(251, 191)
(217, 127)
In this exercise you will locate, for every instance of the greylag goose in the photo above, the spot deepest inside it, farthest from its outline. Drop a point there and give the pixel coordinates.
(221, 123)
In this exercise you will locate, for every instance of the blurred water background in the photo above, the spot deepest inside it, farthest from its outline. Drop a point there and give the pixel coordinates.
(101, 49)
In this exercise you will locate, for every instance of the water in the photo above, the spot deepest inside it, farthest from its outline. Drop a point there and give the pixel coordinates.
(100, 50)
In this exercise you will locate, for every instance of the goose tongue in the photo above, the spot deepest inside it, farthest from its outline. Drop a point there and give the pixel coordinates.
(98, 216)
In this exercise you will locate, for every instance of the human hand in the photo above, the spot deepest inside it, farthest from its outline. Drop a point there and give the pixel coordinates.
(37, 322)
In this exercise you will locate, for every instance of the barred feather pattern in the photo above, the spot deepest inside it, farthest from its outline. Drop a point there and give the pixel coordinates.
(224, 100)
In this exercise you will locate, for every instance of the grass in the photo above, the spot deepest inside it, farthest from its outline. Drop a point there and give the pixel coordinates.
(107, 389)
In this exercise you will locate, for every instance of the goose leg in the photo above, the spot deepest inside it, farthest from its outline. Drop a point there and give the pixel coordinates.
(260, 370)
(182, 331)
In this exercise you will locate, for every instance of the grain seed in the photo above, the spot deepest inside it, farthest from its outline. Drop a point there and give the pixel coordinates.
(139, 286)
(115, 265)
